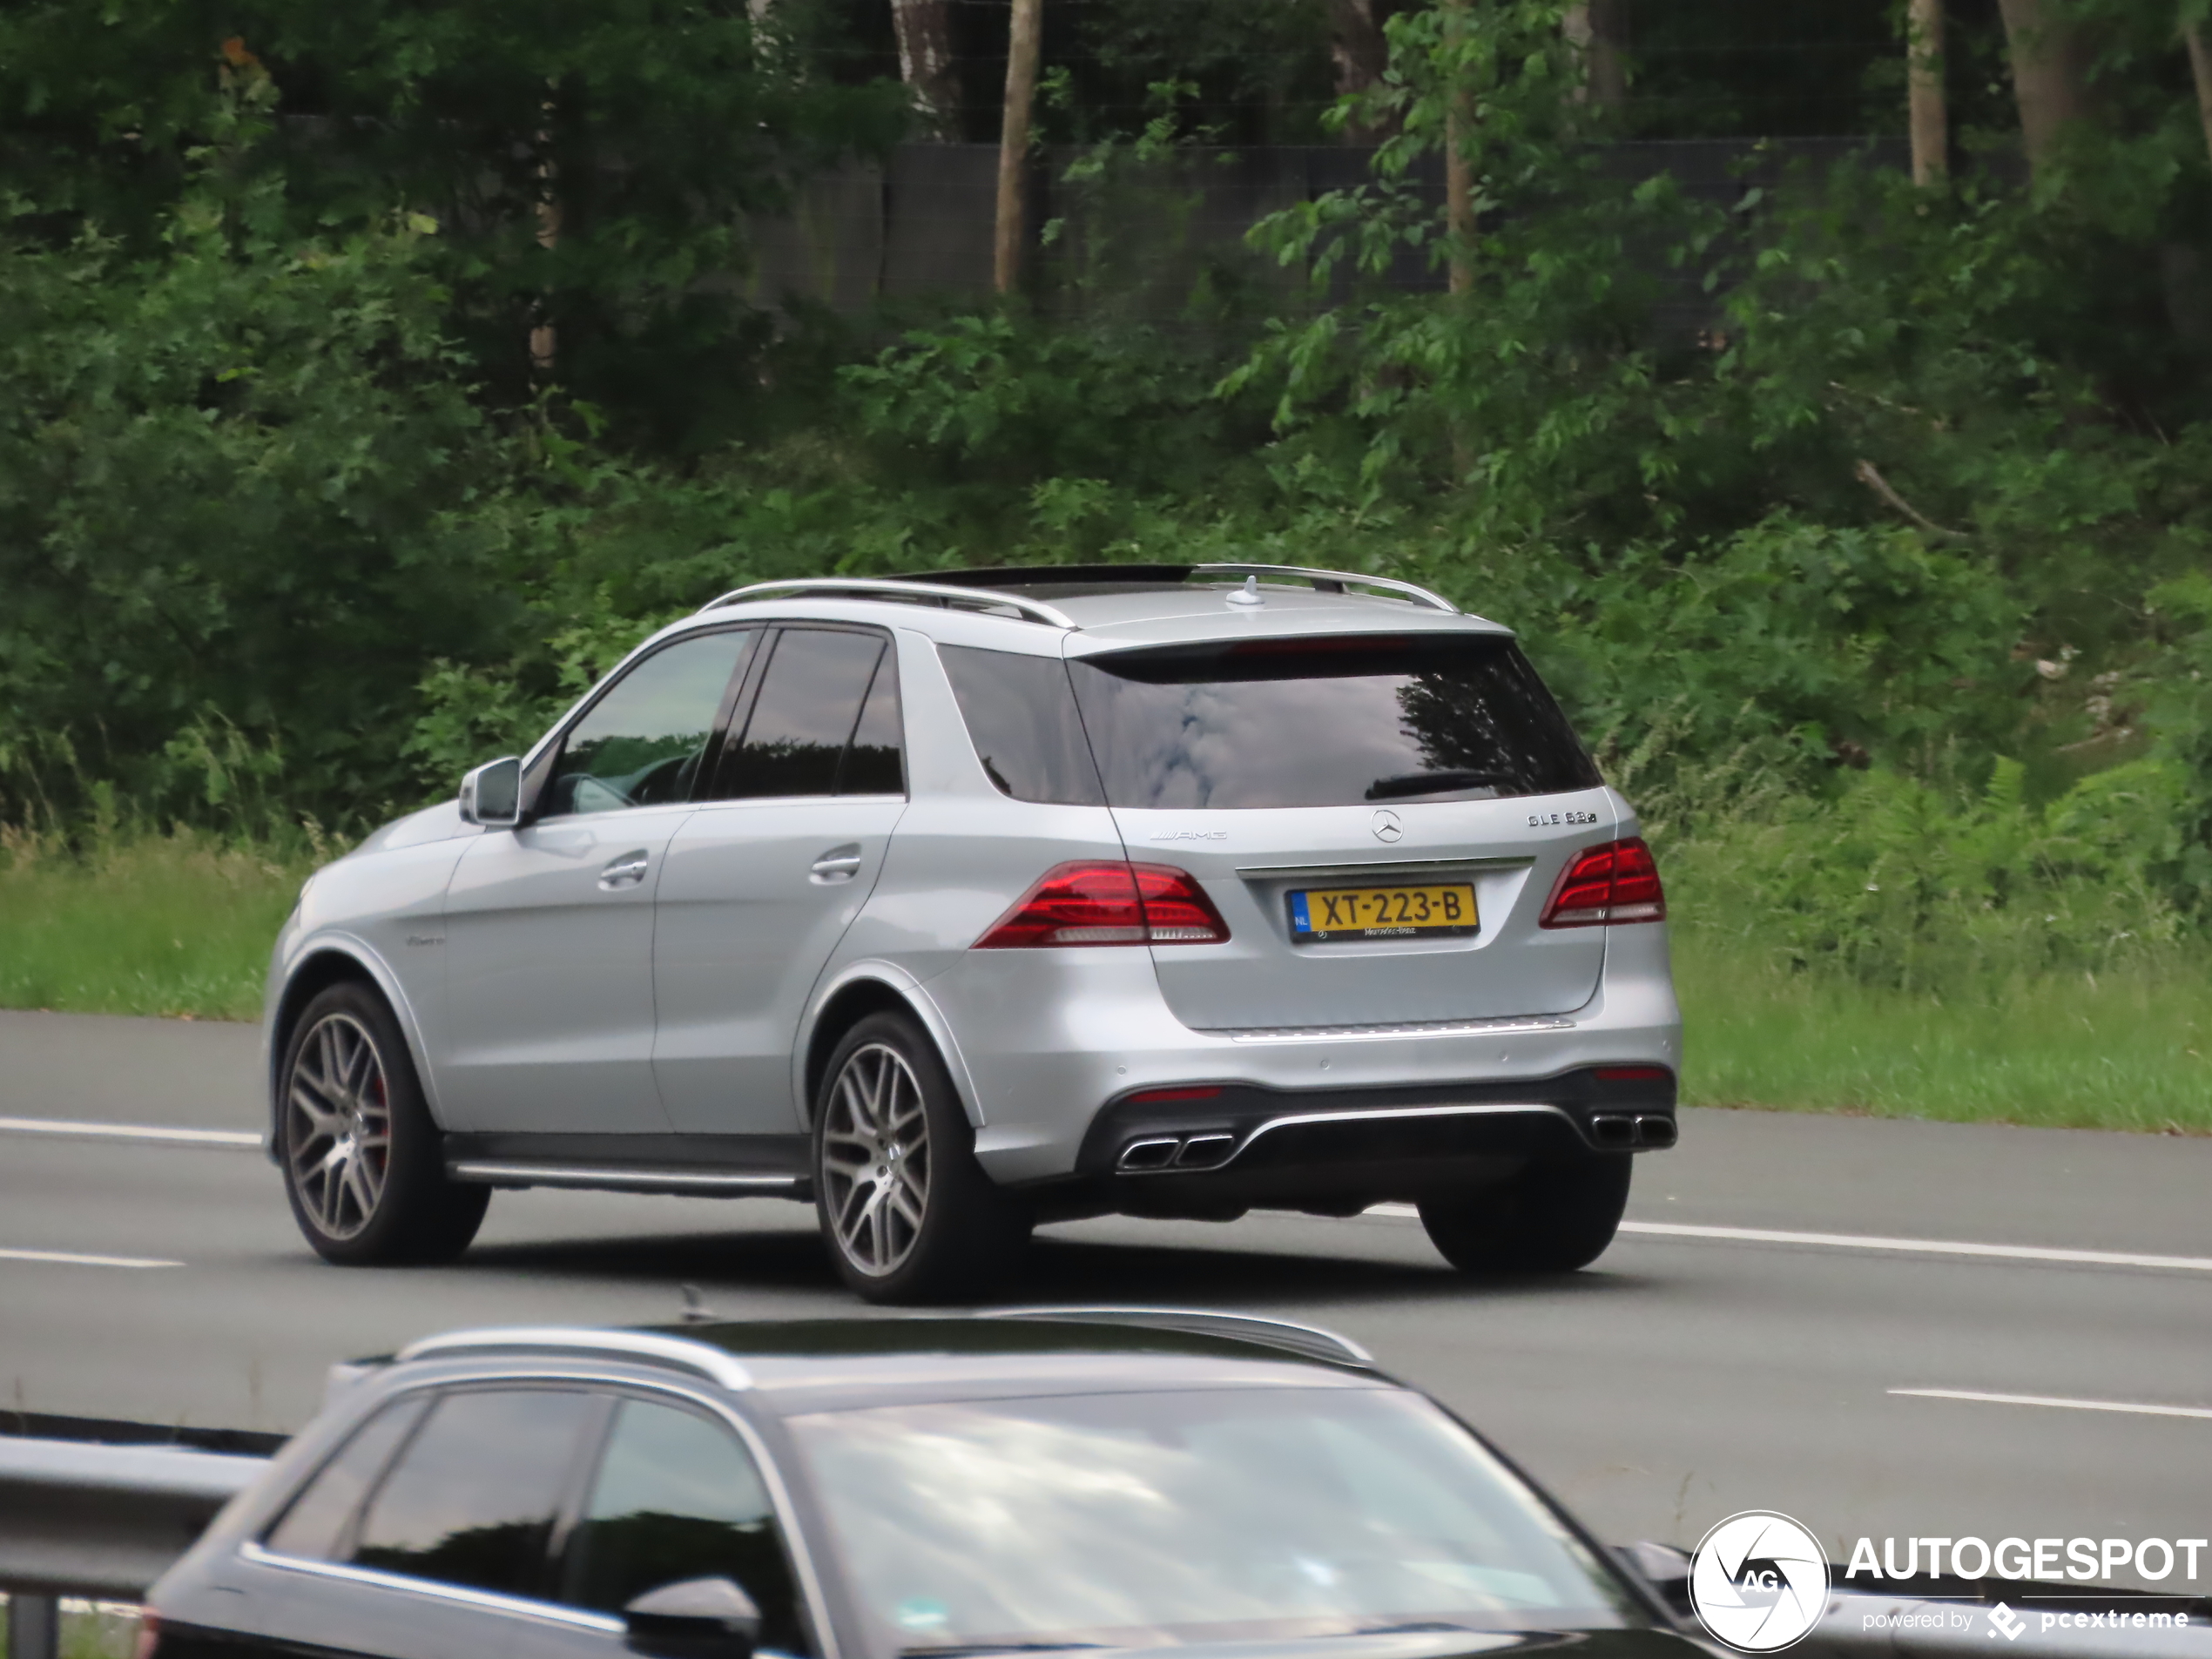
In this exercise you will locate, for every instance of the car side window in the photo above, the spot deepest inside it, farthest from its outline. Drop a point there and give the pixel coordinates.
(472, 1499)
(641, 743)
(313, 1524)
(1020, 715)
(676, 1496)
(816, 707)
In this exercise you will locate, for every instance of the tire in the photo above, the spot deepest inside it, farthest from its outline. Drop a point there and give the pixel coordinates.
(362, 1161)
(1554, 1216)
(908, 1213)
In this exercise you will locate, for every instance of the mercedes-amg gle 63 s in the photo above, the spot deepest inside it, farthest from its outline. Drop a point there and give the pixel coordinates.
(965, 902)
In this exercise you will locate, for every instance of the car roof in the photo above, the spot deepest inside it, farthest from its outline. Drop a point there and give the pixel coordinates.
(789, 1366)
(1082, 609)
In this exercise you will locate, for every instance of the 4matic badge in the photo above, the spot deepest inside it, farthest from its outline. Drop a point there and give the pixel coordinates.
(1759, 1581)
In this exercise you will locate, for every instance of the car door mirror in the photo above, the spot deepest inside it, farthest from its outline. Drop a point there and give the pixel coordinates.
(697, 1618)
(492, 795)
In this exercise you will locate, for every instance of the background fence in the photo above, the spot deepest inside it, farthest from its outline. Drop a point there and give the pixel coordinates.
(920, 224)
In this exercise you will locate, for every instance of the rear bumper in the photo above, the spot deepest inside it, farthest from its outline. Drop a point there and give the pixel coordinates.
(1052, 1044)
(1244, 1129)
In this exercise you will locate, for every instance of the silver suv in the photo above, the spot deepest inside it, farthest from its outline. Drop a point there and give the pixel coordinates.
(960, 903)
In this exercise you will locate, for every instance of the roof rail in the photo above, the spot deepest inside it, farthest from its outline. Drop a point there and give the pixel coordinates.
(1311, 1340)
(676, 1351)
(941, 593)
(1335, 582)
(991, 576)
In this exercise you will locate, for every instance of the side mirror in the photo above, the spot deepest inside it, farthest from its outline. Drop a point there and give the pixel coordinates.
(697, 1618)
(492, 795)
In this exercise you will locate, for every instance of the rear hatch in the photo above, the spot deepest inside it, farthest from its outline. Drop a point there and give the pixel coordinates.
(1379, 817)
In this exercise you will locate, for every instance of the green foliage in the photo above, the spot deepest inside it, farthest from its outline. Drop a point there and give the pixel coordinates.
(592, 162)
(234, 486)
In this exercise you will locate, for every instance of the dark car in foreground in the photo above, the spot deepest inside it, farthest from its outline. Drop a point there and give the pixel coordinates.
(1030, 1481)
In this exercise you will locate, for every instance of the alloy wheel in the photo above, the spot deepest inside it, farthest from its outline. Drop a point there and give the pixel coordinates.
(875, 1159)
(338, 1126)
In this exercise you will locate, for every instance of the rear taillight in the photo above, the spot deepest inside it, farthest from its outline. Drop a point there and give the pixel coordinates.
(1108, 903)
(149, 1642)
(1617, 882)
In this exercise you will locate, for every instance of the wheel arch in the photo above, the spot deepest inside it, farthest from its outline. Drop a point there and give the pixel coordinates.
(860, 990)
(325, 964)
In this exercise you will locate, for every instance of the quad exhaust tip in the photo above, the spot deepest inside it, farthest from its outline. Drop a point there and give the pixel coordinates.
(1159, 1152)
(1623, 1131)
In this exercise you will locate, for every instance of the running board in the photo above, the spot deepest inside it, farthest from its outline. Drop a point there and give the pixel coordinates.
(722, 1166)
(699, 1182)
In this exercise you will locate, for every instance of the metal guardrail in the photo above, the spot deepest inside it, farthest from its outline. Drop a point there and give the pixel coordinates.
(102, 1521)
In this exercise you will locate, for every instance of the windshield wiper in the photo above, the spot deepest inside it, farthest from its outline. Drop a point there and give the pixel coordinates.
(1434, 783)
(962, 1649)
(1418, 1627)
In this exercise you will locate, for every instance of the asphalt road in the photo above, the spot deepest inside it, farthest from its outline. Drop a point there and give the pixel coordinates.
(1698, 1369)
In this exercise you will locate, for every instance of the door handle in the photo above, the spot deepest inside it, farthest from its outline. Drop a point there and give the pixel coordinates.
(626, 871)
(838, 864)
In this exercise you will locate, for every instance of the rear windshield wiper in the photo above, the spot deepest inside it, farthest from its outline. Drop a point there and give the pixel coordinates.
(1415, 1627)
(1434, 783)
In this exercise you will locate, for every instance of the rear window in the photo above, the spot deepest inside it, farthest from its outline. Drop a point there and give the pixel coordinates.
(1326, 723)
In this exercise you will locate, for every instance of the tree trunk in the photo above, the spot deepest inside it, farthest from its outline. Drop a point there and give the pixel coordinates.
(2048, 81)
(925, 30)
(1014, 142)
(1360, 53)
(2200, 66)
(1458, 167)
(1599, 28)
(1924, 77)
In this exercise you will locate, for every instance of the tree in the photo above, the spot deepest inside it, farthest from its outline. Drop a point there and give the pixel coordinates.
(925, 31)
(664, 124)
(2200, 71)
(1359, 54)
(2048, 78)
(1599, 28)
(1924, 79)
(1014, 143)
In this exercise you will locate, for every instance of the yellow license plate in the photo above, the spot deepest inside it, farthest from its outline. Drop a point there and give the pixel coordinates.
(1381, 913)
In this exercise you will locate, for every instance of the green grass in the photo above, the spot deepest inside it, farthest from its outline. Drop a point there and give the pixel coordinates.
(91, 1630)
(181, 925)
(174, 924)
(2123, 1050)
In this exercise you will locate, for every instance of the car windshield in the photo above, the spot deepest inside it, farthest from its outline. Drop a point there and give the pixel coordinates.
(1325, 722)
(1171, 1519)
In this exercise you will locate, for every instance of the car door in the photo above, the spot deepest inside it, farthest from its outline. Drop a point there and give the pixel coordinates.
(675, 1495)
(549, 925)
(760, 883)
(448, 1554)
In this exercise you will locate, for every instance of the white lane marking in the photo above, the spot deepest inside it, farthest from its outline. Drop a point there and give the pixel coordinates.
(1864, 1241)
(71, 1258)
(2053, 1400)
(151, 1133)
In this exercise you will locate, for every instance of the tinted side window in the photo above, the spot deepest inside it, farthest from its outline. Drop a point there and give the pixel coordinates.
(1021, 718)
(676, 1496)
(640, 744)
(875, 765)
(471, 1500)
(809, 701)
(1327, 721)
(315, 1525)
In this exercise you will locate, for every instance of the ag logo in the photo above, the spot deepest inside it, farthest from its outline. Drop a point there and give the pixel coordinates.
(1759, 1581)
